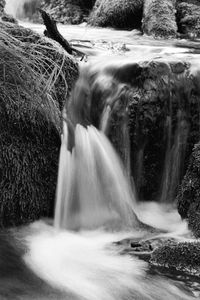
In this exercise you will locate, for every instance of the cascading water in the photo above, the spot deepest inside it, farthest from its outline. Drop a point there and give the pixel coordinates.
(92, 187)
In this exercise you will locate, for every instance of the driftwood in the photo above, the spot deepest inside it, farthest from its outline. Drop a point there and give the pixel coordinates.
(52, 32)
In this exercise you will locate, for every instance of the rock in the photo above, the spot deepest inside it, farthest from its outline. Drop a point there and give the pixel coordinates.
(68, 11)
(118, 14)
(188, 18)
(32, 68)
(159, 18)
(182, 256)
(189, 193)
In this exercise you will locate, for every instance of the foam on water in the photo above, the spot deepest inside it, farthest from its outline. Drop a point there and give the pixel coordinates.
(89, 266)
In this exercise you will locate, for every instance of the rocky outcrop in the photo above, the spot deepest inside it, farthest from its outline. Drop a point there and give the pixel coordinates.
(117, 14)
(32, 70)
(159, 18)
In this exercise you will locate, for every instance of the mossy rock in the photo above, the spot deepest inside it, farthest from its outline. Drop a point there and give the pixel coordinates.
(68, 11)
(159, 18)
(118, 14)
(32, 69)
(182, 256)
(188, 18)
(188, 199)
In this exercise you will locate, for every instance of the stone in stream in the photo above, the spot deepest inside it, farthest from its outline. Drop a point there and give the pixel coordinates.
(117, 14)
(68, 11)
(159, 18)
(182, 256)
(188, 17)
(36, 77)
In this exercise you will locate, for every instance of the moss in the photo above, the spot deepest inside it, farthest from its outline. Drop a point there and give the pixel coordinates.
(159, 18)
(188, 18)
(30, 126)
(118, 14)
(183, 256)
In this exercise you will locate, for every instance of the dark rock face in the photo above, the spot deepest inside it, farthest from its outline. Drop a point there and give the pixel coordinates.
(31, 105)
(68, 11)
(159, 18)
(188, 17)
(189, 193)
(183, 256)
(117, 14)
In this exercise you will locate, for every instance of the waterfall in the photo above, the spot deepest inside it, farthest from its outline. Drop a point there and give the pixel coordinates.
(92, 189)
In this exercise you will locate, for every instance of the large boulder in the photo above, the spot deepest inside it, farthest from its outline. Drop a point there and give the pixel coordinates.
(159, 18)
(35, 78)
(118, 14)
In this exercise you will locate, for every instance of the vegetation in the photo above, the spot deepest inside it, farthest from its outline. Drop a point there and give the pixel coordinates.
(31, 104)
(117, 14)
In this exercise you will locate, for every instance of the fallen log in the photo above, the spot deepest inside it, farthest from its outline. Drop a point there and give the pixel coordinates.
(52, 32)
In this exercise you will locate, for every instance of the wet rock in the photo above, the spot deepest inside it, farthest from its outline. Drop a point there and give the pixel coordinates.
(182, 256)
(188, 18)
(32, 68)
(117, 14)
(159, 18)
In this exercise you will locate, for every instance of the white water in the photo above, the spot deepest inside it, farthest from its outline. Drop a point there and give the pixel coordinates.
(93, 190)
(87, 266)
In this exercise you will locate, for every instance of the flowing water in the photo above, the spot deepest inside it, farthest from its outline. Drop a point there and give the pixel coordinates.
(82, 256)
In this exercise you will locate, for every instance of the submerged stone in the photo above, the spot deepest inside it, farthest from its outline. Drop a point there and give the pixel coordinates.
(182, 256)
